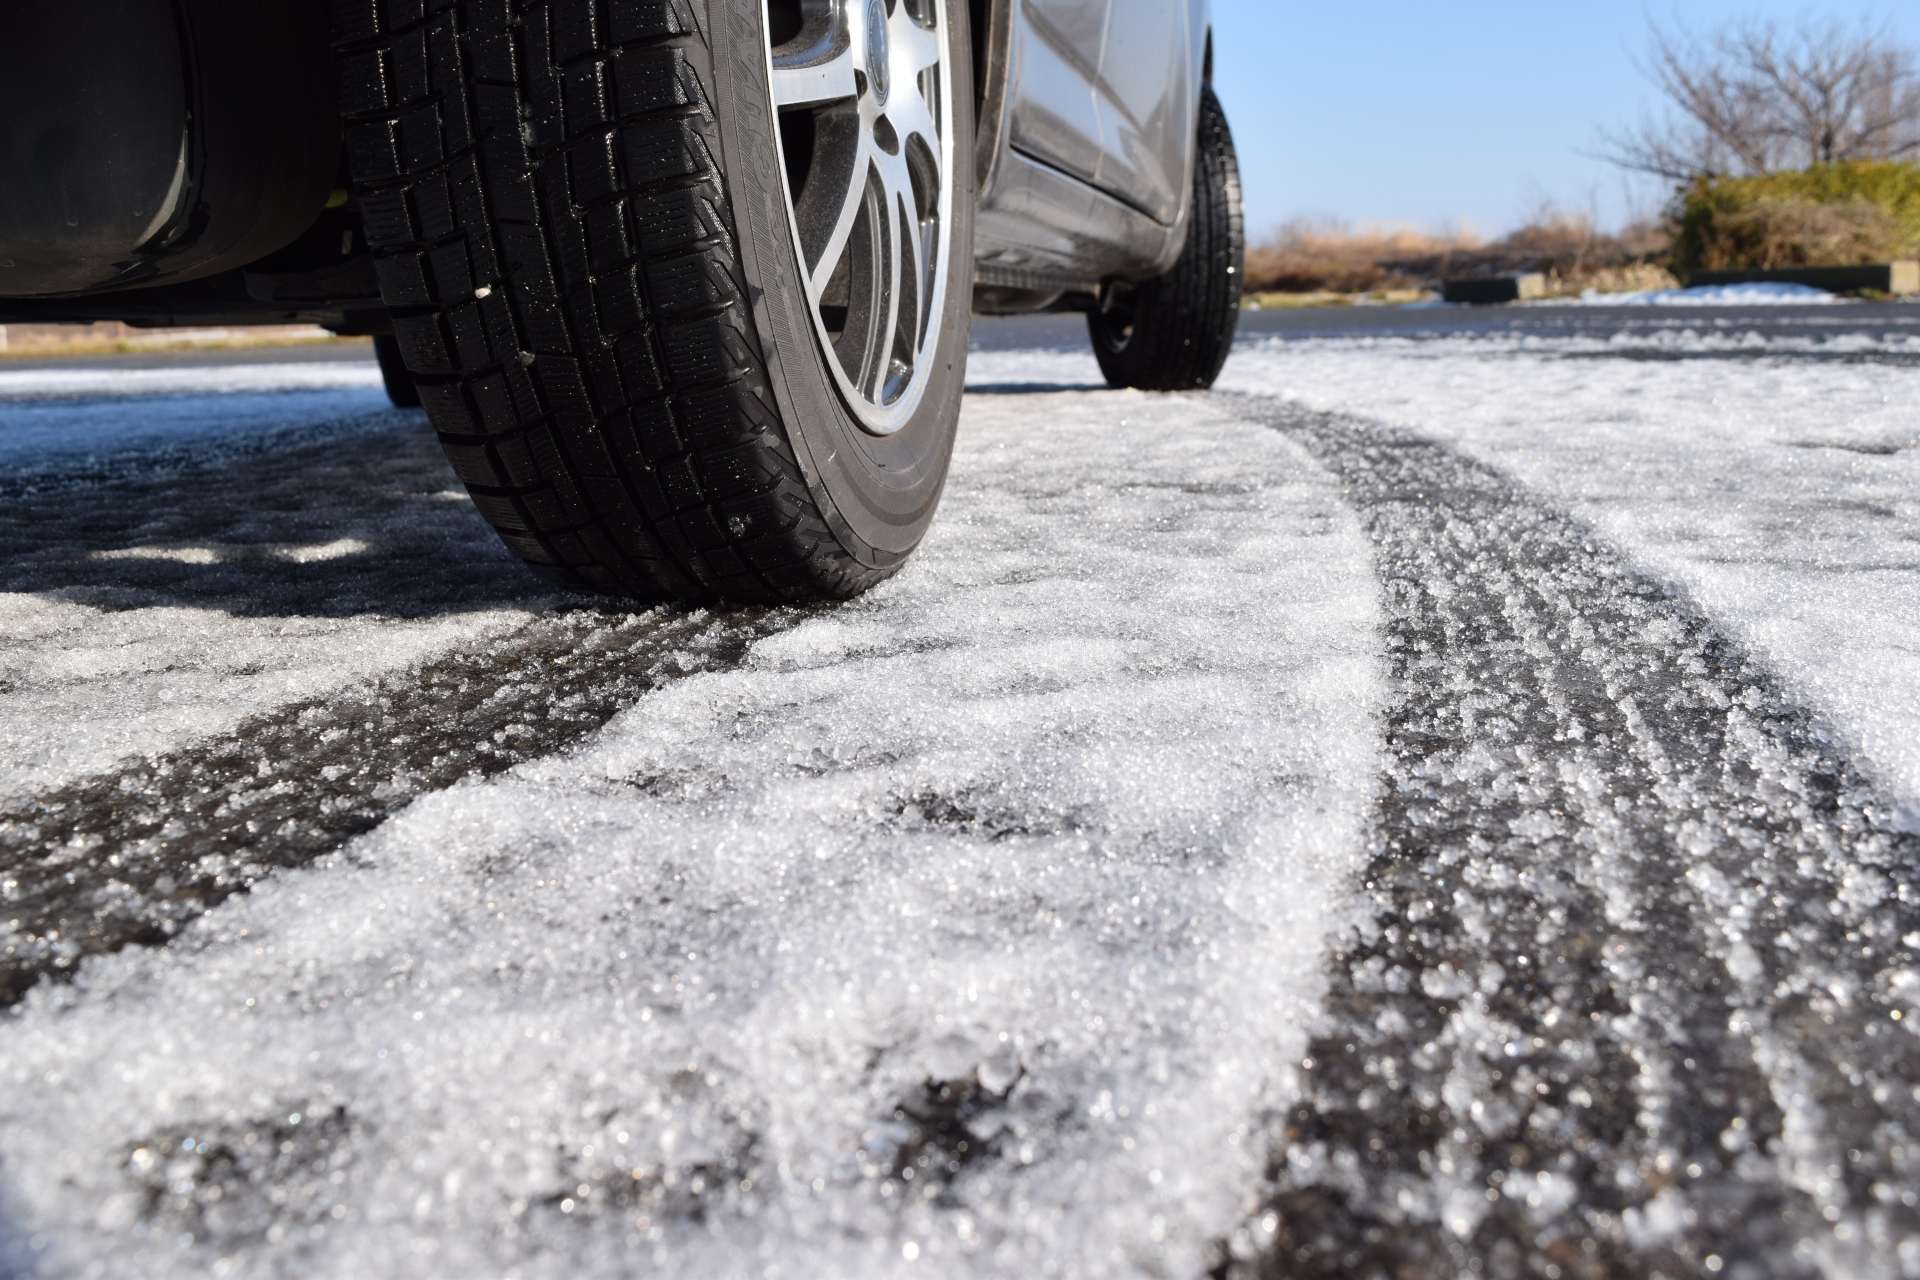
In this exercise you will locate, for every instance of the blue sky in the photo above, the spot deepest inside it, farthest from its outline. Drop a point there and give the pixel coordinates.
(1407, 111)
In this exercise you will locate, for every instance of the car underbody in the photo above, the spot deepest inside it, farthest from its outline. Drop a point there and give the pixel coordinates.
(183, 162)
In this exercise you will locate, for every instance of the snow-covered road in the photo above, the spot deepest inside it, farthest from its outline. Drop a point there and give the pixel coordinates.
(1437, 805)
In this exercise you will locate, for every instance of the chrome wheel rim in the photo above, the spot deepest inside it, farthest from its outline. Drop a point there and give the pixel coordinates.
(863, 90)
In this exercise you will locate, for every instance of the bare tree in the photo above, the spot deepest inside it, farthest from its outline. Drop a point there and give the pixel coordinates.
(1748, 100)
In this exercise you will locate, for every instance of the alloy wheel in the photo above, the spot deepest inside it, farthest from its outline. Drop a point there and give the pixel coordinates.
(864, 92)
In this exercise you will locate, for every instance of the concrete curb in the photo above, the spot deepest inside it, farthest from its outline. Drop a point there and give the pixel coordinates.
(1486, 290)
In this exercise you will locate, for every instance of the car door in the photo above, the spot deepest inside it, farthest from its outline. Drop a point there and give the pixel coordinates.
(1144, 104)
(1056, 59)
(1103, 90)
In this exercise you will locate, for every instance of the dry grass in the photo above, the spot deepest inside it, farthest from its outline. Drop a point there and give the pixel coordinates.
(1328, 298)
(1793, 233)
(1306, 257)
(1635, 277)
(1317, 259)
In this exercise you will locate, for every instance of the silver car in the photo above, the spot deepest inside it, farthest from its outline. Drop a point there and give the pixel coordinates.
(683, 285)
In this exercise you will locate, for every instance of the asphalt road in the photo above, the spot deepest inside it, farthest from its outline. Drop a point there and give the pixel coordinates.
(1445, 803)
(1012, 333)
(1629, 325)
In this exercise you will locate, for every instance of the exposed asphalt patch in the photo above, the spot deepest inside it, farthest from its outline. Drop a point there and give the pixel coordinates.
(1636, 991)
(127, 859)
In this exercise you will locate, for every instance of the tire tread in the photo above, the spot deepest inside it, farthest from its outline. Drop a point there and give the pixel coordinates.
(553, 239)
(1185, 320)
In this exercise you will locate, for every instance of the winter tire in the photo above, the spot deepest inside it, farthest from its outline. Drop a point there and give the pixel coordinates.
(393, 372)
(684, 284)
(1173, 332)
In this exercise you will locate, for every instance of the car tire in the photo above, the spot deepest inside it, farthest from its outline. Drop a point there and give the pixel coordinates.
(394, 373)
(687, 328)
(1174, 332)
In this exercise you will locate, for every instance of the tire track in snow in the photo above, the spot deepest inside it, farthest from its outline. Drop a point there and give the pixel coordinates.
(1637, 993)
(129, 858)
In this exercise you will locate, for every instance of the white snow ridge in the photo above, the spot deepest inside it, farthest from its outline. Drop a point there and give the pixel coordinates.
(969, 928)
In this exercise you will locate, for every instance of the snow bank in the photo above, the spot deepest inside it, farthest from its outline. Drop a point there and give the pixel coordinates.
(969, 928)
(1759, 293)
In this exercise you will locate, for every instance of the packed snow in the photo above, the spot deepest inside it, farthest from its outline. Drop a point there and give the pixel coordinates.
(1783, 494)
(1643, 933)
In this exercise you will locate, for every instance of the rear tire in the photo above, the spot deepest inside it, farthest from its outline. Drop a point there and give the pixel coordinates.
(581, 218)
(393, 371)
(1174, 332)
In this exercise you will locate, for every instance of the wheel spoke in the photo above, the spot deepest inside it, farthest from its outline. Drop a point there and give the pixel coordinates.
(849, 213)
(811, 84)
(914, 253)
(894, 269)
(896, 182)
(910, 116)
(918, 47)
(864, 109)
(895, 177)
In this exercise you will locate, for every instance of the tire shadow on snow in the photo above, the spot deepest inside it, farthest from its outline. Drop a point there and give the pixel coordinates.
(363, 520)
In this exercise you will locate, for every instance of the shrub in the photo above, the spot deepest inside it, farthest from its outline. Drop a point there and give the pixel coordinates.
(1831, 215)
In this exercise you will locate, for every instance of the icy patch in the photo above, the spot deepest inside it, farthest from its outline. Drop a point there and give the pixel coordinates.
(970, 928)
(1662, 337)
(64, 436)
(1034, 370)
(334, 550)
(52, 419)
(178, 555)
